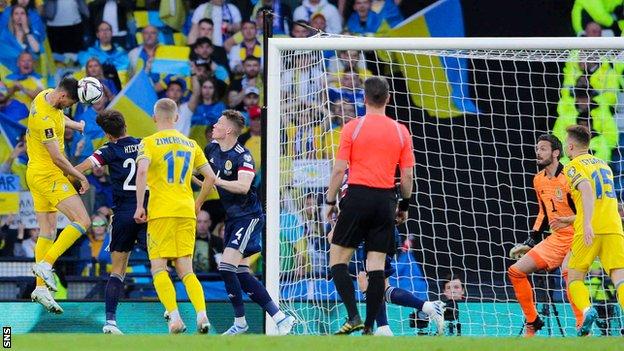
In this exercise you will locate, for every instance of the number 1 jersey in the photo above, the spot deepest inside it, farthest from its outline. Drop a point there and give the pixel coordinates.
(605, 219)
(173, 158)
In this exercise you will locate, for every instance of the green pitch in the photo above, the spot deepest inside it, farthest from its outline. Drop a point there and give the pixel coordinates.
(84, 342)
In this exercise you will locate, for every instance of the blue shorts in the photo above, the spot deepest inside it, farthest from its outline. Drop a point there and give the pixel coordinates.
(244, 234)
(125, 232)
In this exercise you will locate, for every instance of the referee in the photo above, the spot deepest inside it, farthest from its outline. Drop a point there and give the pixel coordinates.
(371, 147)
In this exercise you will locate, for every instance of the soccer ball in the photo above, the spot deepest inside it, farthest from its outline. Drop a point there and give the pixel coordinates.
(90, 90)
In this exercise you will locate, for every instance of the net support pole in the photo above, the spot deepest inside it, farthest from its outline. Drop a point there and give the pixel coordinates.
(272, 181)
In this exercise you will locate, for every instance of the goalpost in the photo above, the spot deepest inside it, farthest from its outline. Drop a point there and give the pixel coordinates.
(474, 107)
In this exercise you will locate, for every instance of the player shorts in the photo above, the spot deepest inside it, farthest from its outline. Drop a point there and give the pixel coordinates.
(125, 232)
(609, 247)
(170, 237)
(48, 190)
(368, 215)
(549, 253)
(244, 234)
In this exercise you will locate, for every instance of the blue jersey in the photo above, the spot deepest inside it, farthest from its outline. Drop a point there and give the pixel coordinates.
(120, 157)
(227, 164)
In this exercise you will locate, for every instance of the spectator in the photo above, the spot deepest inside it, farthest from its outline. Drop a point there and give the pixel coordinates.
(28, 244)
(319, 22)
(17, 162)
(66, 24)
(175, 91)
(142, 56)
(20, 31)
(304, 78)
(35, 20)
(100, 180)
(251, 78)
(97, 238)
(115, 13)
(386, 9)
(208, 111)
(225, 17)
(25, 83)
(347, 60)
(201, 256)
(250, 46)
(206, 30)
(250, 102)
(113, 58)
(350, 90)
(9, 106)
(9, 231)
(300, 29)
(94, 69)
(251, 139)
(282, 15)
(310, 7)
(327, 134)
(363, 20)
(202, 55)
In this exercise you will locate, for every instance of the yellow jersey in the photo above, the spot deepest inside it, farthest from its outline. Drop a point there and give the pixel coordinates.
(172, 157)
(605, 219)
(45, 124)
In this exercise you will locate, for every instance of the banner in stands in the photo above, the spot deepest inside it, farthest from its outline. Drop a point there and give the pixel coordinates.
(27, 213)
(9, 193)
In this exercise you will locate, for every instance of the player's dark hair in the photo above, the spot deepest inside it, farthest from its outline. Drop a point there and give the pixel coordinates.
(70, 86)
(112, 122)
(579, 133)
(376, 90)
(236, 118)
(555, 143)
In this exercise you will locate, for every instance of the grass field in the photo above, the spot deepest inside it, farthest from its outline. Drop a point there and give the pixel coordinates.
(85, 342)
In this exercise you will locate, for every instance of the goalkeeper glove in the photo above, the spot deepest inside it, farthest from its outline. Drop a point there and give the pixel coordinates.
(520, 250)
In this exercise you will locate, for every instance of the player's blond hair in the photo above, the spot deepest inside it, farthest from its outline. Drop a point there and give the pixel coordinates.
(166, 108)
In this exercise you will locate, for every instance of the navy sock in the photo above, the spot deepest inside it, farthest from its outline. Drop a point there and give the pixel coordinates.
(344, 286)
(382, 316)
(256, 291)
(233, 288)
(374, 296)
(404, 298)
(114, 288)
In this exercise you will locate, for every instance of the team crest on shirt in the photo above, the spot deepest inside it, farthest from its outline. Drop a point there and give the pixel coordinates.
(559, 194)
(571, 172)
(228, 167)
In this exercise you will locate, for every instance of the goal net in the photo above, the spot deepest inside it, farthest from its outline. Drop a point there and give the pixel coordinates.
(475, 108)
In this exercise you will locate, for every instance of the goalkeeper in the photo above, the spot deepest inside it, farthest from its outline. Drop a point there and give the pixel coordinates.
(556, 210)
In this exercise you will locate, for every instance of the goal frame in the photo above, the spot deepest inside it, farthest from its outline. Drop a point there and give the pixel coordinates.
(274, 70)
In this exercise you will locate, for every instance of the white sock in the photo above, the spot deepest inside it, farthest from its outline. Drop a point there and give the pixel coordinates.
(240, 321)
(41, 287)
(174, 315)
(428, 308)
(201, 315)
(46, 265)
(279, 316)
(111, 321)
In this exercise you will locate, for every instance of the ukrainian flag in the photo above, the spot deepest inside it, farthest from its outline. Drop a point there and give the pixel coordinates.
(437, 84)
(95, 136)
(136, 102)
(171, 59)
(9, 194)
(10, 131)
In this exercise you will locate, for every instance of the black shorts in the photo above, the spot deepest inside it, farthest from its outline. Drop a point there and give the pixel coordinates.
(125, 232)
(368, 215)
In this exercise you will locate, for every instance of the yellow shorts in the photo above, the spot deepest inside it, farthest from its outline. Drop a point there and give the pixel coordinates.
(170, 237)
(48, 190)
(609, 247)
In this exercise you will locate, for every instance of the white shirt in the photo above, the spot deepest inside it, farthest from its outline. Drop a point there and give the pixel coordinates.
(110, 15)
(183, 125)
(332, 16)
(67, 14)
(232, 14)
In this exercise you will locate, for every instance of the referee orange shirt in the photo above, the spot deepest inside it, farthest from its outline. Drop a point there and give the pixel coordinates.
(373, 145)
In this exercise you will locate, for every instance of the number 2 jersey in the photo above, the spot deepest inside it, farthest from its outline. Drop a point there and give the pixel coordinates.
(120, 158)
(605, 219)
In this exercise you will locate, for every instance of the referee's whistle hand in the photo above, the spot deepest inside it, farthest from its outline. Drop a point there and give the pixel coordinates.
(401, 217)
(331, 213)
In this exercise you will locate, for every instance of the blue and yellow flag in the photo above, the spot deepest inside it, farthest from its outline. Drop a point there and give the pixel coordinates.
(171, 59)
(437, 84)
(136, 102)
(9, 194)
(10, 132)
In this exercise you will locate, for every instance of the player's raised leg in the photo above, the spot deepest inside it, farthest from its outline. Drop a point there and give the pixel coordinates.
(74, 209)
(194, 290)
(518, 275)
(47, 226)
(114, 290)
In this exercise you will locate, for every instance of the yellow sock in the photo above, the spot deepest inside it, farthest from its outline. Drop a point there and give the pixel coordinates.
(620, 294)
(66, 239)
(166, 292)
(579, 294)
(41, 248)
(195, 292)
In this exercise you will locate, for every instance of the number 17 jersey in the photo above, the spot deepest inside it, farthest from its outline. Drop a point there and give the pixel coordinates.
(173, 158)
(605, 219)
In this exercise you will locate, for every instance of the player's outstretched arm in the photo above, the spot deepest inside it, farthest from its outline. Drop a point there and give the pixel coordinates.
(61, 162)
(71, 124)
(84, 166)
(141, 183)
(587, 198)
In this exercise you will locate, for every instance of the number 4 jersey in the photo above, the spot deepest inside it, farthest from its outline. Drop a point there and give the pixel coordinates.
(120, 157)
(173, 158)
(605, 219)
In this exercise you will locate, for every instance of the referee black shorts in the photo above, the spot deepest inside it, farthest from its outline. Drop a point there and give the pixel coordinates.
(367, 214)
